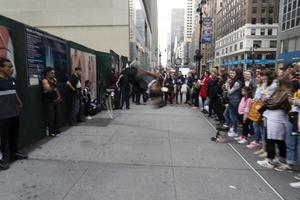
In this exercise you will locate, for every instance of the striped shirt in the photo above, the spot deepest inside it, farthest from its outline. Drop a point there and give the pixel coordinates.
(8, 98)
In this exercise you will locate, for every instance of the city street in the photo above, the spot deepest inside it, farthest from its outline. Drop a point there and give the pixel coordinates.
(143, 154)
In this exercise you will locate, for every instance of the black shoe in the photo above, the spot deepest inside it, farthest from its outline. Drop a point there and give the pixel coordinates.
(20, 155)
(72, 124)
(127, 108)
(4, 165)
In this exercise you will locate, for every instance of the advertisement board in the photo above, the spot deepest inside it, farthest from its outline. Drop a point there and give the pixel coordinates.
(207, 30)
(44, 50)
(87, 62)
(6, 46)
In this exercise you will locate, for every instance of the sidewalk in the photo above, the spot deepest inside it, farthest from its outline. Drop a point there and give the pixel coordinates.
(142, 154)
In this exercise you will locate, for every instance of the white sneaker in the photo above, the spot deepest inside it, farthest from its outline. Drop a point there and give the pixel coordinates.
(232, 133)
(225, 126)
(243, 141)
(238, 138)
(295, 185)
(89, 117)
(265, 163)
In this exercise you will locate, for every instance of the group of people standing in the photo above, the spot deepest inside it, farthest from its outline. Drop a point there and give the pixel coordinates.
(231, 96)
(80, 97)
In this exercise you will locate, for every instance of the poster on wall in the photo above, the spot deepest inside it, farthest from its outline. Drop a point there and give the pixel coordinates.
(44, 50)
(6, 46)
(87, 62)
(116, 62)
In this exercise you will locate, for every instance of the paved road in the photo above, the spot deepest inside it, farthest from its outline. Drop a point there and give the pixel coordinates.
(142, 154)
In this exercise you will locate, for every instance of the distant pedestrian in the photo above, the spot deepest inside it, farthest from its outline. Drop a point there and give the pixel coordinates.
(74, 85)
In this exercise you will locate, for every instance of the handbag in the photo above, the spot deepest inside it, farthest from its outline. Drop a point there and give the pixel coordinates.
(254, 114)
(164, 89)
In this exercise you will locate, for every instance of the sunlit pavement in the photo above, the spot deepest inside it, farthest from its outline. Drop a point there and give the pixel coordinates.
(143, 154)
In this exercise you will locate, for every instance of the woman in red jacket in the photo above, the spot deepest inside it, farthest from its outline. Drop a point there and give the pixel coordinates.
(203, 91)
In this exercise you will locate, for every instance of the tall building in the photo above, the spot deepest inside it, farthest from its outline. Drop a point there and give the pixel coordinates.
(289, 33)
(144, 33)
(102, 25)
(189, 15)
(246, 33)
(177, 31)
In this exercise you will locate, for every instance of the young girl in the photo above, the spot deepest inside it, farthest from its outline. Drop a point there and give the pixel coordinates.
(244, 108)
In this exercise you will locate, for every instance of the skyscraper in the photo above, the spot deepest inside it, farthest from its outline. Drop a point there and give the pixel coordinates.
(177, 30)
(190, 11)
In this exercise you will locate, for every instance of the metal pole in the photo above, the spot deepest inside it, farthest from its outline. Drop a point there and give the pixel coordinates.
(200, 42)
(253, 61)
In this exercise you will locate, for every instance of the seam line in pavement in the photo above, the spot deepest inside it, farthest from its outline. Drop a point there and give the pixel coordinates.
(139, 164)
(172, 161)
(64, 197)
(251, 167)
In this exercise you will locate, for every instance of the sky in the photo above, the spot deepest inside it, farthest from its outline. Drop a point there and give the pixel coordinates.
(164, 23)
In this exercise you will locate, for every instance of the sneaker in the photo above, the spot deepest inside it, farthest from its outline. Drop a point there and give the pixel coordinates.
(263, 155)
(243, 141)
(253, 145)
(278, 162)
(295, 185)
(259, 151)
(225, 126)
(297, 177)
(239, 138)
(4, 165)
(284, 167)
(265, 163)
(20, 155)
(89, 117)
(232, 133)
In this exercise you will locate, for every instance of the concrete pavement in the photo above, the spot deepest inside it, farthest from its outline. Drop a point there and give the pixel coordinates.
(141, 154)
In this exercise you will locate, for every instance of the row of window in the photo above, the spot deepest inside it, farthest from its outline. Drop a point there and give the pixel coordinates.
(263, 10)
(263, 1)
(263, 31)
(241, 34)
(263, 20)
(236, 47)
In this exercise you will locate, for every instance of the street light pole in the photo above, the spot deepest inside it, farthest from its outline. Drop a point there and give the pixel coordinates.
(252, 55)
(200, 11)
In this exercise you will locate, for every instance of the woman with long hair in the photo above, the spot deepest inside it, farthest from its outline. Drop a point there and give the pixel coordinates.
(234, 96)
(276, 123)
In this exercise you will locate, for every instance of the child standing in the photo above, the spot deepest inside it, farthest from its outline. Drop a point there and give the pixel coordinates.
(243, 110)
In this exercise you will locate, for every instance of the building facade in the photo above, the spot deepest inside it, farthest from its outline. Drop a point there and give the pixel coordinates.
(246, 33)
(101, 25)
(289, 33)
(189, 16)
(177, 32)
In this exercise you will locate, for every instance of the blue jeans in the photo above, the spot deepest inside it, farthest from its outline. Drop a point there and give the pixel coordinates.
(231, 114)
(258, 131)
(226, 116)
(291, 146)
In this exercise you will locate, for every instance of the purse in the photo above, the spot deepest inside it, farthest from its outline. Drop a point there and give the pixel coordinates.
(254, 114)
